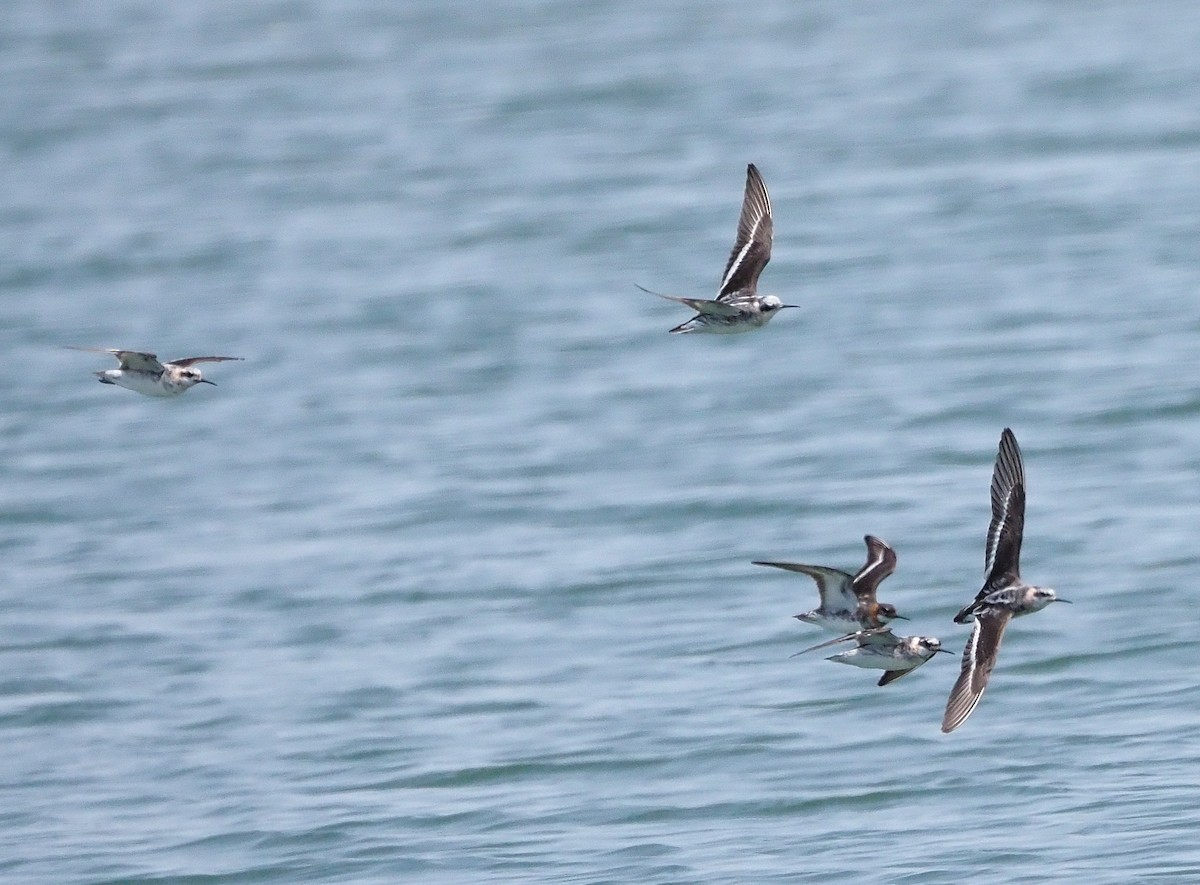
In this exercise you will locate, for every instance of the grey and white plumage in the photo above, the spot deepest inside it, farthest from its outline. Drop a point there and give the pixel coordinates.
(738, 307)
(144, 374)
(1004, 594)
(881, 649)
(848, 602)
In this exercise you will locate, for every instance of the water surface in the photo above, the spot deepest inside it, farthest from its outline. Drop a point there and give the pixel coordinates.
(450, 581)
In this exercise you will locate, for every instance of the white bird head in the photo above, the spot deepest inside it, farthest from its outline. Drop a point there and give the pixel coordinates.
(771, 303)
(1040, 597)
(931, 645)
(190, 377)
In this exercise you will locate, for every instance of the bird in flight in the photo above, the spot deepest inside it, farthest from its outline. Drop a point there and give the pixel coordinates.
(738, 307)
(1004, 595)
(144, 374)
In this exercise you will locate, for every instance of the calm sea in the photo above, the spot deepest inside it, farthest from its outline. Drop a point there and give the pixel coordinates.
(450, 580)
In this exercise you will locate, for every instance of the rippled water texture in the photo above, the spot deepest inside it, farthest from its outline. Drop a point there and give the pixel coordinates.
(450, 580)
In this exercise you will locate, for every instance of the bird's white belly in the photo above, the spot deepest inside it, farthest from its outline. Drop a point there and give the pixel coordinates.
(141, 382)
(872, 659)
(842, 622)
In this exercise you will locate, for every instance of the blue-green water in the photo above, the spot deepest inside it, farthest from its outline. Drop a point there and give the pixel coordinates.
(450, 581)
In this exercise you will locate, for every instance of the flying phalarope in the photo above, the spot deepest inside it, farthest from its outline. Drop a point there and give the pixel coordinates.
(143, 373)
(1004, 595)
(848, 602)
(738, 306)
(881, 649)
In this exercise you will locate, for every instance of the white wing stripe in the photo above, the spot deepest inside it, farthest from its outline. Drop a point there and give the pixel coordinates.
(741, 256)
(872, 565)
(994, 540)
(972, 646)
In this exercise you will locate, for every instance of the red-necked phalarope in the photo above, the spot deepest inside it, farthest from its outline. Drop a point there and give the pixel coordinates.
(848, 602)
(1004, 595)
(881, 649)
(738, 307)
(144, 374)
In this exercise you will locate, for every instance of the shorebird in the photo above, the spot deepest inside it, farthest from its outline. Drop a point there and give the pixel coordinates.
(881, 649)
(738, 307)
(848, 602)
(144, 374)
(1004, 595)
